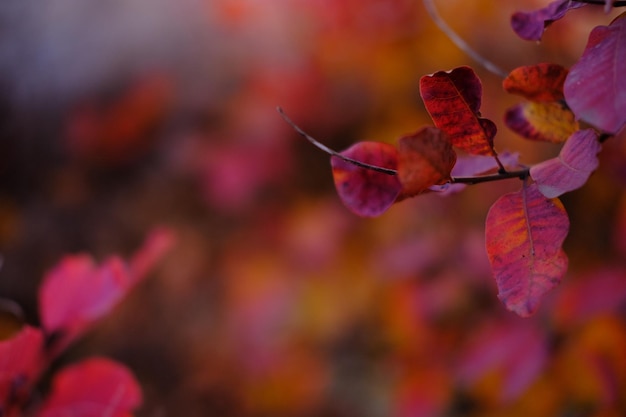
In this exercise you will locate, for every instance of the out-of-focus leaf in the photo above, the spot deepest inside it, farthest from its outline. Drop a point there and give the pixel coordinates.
(425, 158)
(595, 88)
(524, 233)
(600, 291)
(540, 82)
(20, 363)
(572, 168)
(549, 122)
(531, 25)
(591, 367)
(93, 388)
(77, 291)
(364, 191)
(516, 351)
(453, 101)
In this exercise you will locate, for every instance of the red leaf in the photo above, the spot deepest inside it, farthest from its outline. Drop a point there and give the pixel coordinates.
(425, 158)
(453, 101)
(548, 122)
(595, 88)
(542, 82)
(517, 351)
(364, 191)
(20, 364)
(93, 388)
(572, 168)
(530, 25)
(524, 233)
(157, 244)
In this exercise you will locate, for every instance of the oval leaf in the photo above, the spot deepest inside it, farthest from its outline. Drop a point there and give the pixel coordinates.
(94, 387)
(524, 234)
(548, 122)
(531, 25)
(367, 192)
(541, 82)
(425, 158)
(572, 168)
(595, 88)
(453, 101)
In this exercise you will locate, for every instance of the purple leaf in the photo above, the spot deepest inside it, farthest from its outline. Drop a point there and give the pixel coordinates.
(530, 25)
(571, 169)
(595, 88)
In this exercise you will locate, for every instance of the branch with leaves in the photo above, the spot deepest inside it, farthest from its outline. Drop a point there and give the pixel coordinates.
(524, 230)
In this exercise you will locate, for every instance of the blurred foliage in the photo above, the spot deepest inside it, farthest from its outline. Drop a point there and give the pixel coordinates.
(116, 117)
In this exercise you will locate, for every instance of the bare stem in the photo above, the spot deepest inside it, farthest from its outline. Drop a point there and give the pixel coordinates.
(522, 174)
(330, 151)
(460, 42)
(617, 3)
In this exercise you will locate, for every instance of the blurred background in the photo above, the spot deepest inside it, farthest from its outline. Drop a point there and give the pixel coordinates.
(120, 116)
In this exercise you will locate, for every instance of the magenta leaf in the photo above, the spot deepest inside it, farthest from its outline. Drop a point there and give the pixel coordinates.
(93, 388)
(516, 351)
(524, 233)
(531, 25)
(20, 364)
(572, 168)
(595, 88)
(364, 191)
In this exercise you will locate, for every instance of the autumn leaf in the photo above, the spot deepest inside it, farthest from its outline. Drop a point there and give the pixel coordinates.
(572, 168)
(94, 387)
(548, 122)
(595, 88)
(453, 101)
(524, 234)
(541, 82)
(364, 191)
(425, 158)
(531, 25)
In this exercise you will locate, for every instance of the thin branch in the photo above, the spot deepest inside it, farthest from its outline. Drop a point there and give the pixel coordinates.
(332, 151)
(522, 174)
(460, 42)
(617, 3)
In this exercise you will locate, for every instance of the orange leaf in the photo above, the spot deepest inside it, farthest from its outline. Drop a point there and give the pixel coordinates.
(541, 82)
(549, 122)
(524, 234)
(453, 101)
(425, 158)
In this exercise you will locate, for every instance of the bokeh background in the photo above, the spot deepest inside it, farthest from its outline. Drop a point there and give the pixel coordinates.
(120, 116)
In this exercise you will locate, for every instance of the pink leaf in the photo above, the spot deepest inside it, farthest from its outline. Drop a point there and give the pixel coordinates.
(158, 243)
(77, 292)
(517, 351)
(530, 25)
(572, 168)
(96, 387)
(595, 88)
(20, 364)
(524, 233)
(364, 191)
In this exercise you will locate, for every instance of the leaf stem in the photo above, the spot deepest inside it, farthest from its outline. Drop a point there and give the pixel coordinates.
(460, 42)
(617, 3)
(521, 174)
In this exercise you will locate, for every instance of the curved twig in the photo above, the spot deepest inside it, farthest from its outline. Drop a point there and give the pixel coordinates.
(460, 42)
